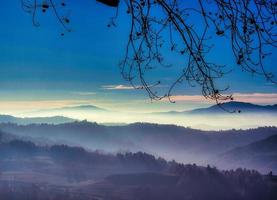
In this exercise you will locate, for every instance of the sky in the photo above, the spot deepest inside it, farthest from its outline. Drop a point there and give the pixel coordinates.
(41, 69)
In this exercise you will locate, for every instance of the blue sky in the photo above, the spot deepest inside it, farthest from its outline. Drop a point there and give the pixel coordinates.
(37, 64)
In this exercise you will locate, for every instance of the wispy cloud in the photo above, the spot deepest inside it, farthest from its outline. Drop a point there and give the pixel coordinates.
(270, 84)
(187, 98)
(84, 93)
(129, 87)
(117, 87)
(256, 98)
(259, 98)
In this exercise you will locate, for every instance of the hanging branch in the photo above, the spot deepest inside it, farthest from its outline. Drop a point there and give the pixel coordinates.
(35, 7)
(155, 25)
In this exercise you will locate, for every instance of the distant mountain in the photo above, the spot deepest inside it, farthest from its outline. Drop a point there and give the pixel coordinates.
(35, 120)
(81, 108)
(261, 154)
(223, 108)
(89, 109)
(237, 107)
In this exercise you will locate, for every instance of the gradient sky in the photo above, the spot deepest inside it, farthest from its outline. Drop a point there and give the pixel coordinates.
(39, 68)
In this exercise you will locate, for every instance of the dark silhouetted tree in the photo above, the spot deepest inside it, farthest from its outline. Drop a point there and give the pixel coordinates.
(156, 25)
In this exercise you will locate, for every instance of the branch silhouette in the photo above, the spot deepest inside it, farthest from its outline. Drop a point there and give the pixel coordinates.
(249, 25)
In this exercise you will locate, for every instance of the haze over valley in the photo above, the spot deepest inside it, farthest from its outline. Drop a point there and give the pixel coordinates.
(87, 152)
(138, 100)
(238, 115)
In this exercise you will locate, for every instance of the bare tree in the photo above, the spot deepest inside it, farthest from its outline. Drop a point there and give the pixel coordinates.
(249, 25)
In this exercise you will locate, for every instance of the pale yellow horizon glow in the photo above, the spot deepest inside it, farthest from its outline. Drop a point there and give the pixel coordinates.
(255, 98)
(136, 111)
(183, 102)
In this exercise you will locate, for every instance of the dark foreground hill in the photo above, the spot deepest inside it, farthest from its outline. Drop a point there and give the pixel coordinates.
(30, 172)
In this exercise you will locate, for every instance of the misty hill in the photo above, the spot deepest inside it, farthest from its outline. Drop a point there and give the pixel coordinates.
(261, 154)
(35, 120)
(64, 172)
(169, 141)
(19, 155)
(82, 108)
(233, 106)
(236, 106)
(74, 109)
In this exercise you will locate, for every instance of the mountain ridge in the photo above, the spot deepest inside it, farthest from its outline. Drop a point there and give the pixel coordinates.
(260, 154)
(236, 106)
(226, 108)
(168, 141)
(35, 120)
(83, 107)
